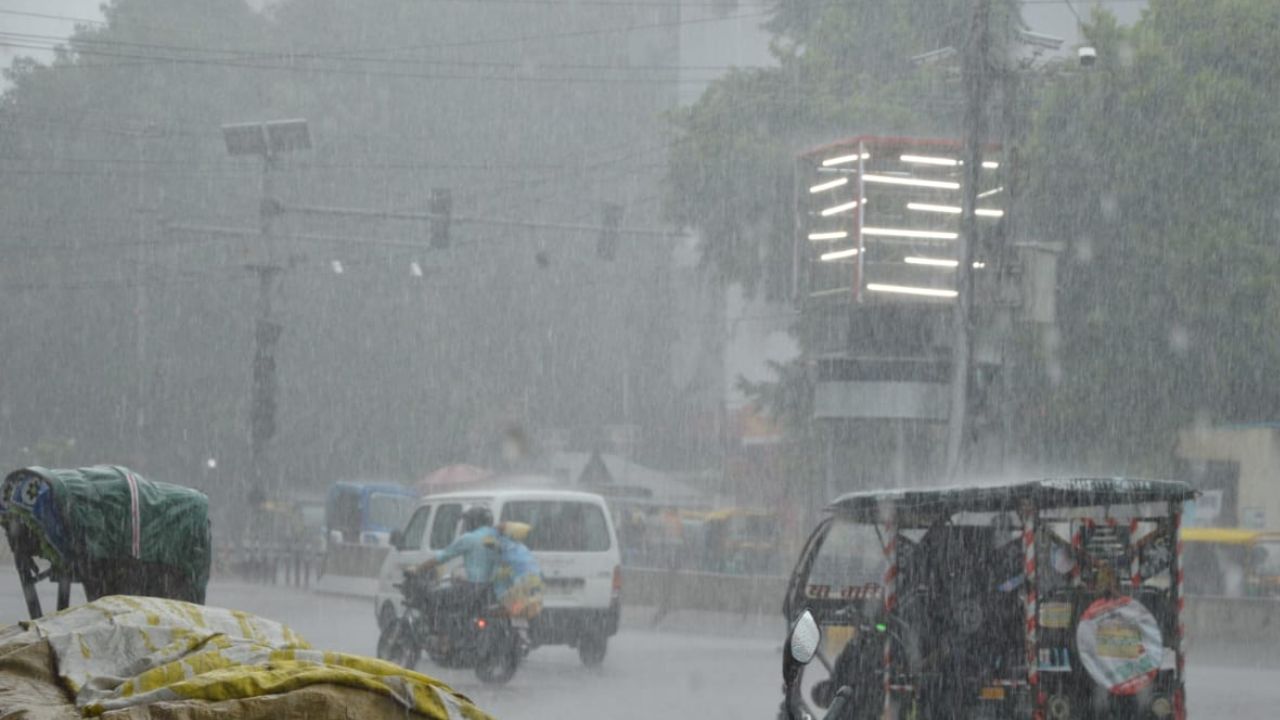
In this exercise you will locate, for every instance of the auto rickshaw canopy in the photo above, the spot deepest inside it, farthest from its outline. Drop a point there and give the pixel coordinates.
(866, 506)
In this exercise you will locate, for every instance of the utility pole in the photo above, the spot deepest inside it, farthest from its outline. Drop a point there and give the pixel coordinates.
(262, 420)
(977, 53)
(266, 140)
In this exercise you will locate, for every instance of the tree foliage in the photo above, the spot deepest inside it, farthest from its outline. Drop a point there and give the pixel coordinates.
(1158, 170)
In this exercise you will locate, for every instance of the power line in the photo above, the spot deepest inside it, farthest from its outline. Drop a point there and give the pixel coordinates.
(48, 16)
(352, 54)
(518, 77)
(228, 165)
(289, 57)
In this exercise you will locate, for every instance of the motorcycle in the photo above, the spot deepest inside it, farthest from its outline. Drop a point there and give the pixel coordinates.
(484, 637)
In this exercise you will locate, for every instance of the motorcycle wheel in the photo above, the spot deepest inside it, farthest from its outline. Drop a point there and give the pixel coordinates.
(396, 645)
(498, 666)
(445, 660)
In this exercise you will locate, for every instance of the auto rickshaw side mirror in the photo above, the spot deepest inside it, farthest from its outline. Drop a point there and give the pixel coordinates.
(802, 645)
(397, 539)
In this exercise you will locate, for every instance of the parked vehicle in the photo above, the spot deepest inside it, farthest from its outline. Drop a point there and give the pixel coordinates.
(365, 513)
(485, 637)
(1045, 599)
(108, 528)
(573, 539)
(742, 541)
(1232, 562)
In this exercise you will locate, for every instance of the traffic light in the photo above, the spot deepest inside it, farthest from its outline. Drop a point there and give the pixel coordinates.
(611, 219)
(441, 217)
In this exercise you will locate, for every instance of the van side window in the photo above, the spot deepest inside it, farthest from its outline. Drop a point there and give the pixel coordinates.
(417, 526)
(445, 526)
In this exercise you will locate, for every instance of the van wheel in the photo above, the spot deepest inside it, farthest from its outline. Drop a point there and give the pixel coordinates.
(592, 648)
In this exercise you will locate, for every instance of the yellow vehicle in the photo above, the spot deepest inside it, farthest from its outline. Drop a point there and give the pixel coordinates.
(742, 540)
(1232, 562)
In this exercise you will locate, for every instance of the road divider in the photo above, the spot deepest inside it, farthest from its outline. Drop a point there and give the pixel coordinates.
(349, 569)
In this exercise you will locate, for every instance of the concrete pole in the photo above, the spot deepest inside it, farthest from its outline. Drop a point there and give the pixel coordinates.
(977, 52)
(266, 271)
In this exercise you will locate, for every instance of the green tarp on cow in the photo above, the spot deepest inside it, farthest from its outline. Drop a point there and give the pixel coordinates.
(104, 522)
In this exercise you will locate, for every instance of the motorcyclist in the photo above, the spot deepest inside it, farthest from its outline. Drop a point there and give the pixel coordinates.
(478, 548)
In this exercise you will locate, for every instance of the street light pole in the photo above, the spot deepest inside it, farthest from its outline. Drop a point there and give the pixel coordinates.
(977, 52)
(267, 140)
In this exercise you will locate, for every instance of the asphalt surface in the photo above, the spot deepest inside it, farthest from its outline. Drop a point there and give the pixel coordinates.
(689, 667)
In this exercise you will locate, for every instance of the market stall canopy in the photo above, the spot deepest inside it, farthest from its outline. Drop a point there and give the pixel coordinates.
(1052, 492)
(613, 476)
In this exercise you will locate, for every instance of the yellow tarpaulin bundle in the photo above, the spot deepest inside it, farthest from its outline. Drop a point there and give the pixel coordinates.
(136, 657)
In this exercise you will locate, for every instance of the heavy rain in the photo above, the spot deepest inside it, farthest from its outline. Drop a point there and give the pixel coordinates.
(634, 358)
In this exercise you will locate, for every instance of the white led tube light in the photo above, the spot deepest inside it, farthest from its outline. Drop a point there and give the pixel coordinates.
(912, 182)
(839, 208)
(838, 255)
(908, 290)
(829, 185)
(953, 209)
(836, 235)
(905, 233)
(841, 160)
(939, 262)
(943, 161)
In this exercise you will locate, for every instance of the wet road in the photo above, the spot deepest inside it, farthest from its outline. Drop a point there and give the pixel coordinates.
(647, 674)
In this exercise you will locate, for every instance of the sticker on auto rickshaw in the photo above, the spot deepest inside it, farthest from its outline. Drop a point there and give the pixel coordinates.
(860, 592)
(1120, 644)
(818, 591)
(1055, 615)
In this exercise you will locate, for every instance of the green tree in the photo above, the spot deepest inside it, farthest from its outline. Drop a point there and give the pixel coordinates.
(844, 69)
(1159, 172)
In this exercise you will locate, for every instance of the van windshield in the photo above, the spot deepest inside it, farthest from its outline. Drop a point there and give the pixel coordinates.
(558, 526)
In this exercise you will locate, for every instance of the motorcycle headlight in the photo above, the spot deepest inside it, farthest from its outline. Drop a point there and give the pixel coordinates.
(1161, 707)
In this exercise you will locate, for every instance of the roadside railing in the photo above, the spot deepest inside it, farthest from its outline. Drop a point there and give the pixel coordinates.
(269, 563)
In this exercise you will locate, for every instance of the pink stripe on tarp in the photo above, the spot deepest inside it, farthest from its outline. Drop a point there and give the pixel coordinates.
(135, 515)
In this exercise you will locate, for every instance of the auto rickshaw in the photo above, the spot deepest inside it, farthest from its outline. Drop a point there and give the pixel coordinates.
(108, 528)
(1232, 562)
(742, 540)
(1050, 599)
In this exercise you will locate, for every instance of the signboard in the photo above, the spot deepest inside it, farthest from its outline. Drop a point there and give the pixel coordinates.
(1254, 518)
(1208, 508)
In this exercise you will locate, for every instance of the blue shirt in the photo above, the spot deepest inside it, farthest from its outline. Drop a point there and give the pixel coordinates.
(479, 551)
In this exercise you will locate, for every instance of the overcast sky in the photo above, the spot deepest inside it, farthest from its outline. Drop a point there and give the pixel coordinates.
(28, 25)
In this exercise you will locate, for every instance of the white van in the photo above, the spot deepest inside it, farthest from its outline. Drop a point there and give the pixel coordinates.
(572, 537)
